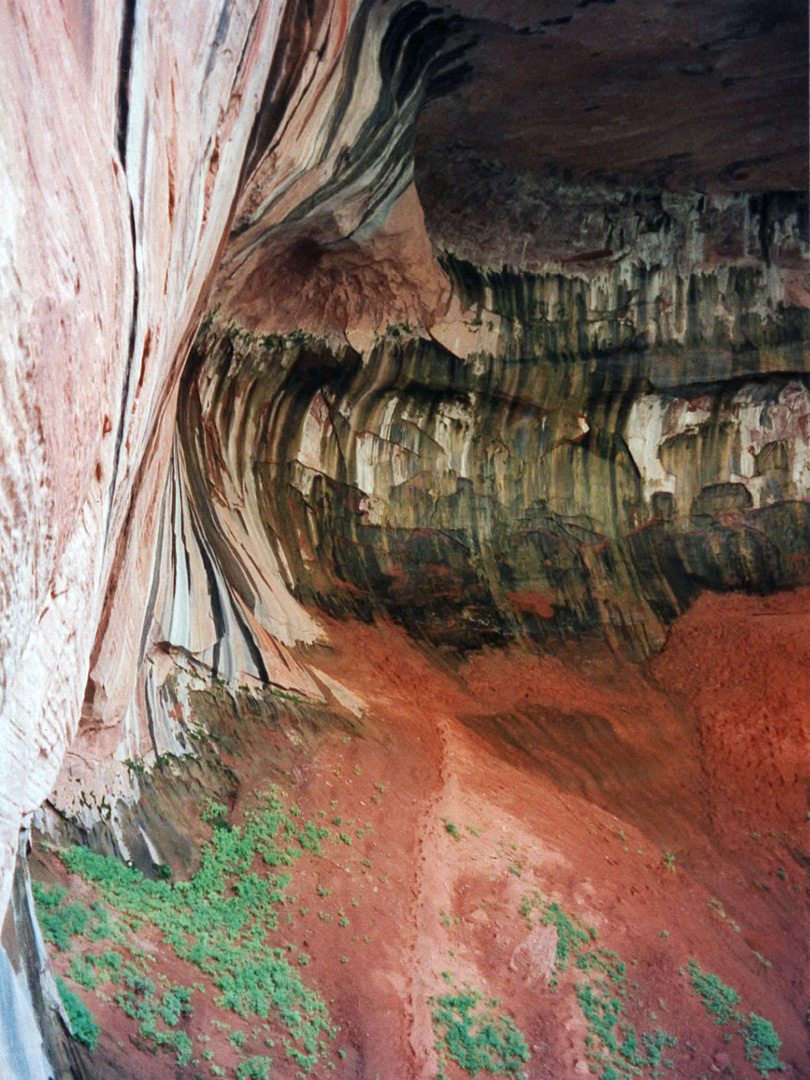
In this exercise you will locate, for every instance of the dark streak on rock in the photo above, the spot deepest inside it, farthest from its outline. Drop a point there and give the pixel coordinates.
(220, 34)
(124, 66)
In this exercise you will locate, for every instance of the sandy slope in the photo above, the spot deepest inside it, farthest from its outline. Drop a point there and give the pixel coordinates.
(469, 784)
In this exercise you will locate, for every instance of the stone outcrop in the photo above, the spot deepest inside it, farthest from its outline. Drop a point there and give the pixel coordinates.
(504, 496)
(557, 454)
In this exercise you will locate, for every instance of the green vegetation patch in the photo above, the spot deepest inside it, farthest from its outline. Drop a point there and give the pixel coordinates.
(58, 921)
(256, 1067)
(221, 921)
(762, 1044)
(82, 1024)
(718, 998)
(615, 1048)
(479, 1040)
(451, 828)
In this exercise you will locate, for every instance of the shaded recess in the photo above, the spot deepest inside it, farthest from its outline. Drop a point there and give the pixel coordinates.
(671, 95)
(579, 481)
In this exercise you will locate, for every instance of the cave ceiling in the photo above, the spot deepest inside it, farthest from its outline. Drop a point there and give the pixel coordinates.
(527, 129)
(707, 96)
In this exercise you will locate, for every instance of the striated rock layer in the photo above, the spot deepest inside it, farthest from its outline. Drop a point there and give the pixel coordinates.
(116, 204)
(555, 453)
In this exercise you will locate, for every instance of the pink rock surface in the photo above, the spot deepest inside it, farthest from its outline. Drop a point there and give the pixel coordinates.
(121, 153)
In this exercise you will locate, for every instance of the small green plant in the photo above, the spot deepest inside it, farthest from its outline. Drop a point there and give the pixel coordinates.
(219, 922)
(479, 1040)
(762, 1044)
(85, 971)
(256, 1067)
(717, 906)
(451, 828)
(615, 1049)
(299, 337)
(82, 1024)
(718, 998)
(58, 921)
(669, 860)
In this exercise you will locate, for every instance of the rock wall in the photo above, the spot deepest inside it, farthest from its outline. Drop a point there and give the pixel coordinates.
(482, 501)
(631, 438)
(327, 169)
(115, 206)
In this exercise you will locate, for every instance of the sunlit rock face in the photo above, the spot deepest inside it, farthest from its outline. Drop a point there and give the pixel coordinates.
(115, 205)
(331, 199)
(114, 212)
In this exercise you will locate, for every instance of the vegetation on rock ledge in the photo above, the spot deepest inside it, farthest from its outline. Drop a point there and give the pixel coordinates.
(218, 922)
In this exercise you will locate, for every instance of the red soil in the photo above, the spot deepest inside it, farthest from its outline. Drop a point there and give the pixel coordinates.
(572, 774)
